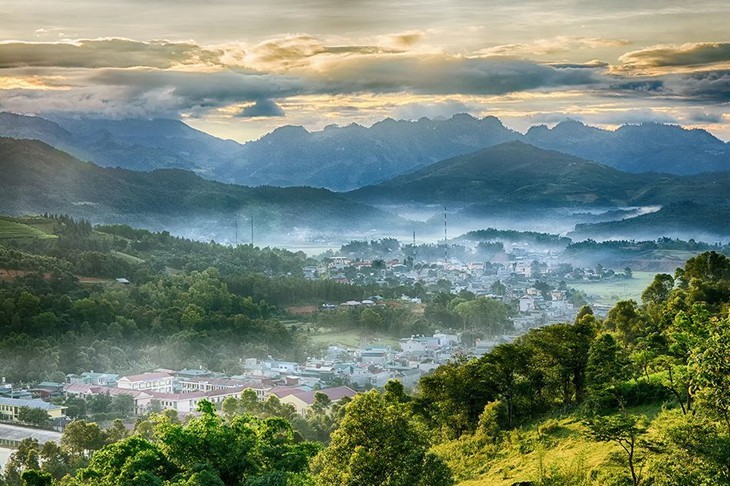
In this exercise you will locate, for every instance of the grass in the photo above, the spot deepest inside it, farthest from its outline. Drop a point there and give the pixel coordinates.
(548, 451)
(352, 338)
(16, 230)
(126, 257)
(611, 291)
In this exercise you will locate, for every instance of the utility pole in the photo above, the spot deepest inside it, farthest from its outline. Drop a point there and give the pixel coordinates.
(236, 220)
(251, 230)
(446, 245)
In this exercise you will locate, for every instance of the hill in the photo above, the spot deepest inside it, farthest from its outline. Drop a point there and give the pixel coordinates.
(135, 144)
(348, 157)
(701, 222)
(515, 173)
(649, 147)
(38, 178)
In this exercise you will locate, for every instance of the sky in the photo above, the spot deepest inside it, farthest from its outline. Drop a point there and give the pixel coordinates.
(238, 69)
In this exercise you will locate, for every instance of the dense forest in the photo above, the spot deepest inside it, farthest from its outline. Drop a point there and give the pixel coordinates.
(640, 397)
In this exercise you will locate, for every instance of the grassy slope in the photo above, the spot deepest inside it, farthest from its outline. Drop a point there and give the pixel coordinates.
(607, 291)
(12, 229)
(555, 448)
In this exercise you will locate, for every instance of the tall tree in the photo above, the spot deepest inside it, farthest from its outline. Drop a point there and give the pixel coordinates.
(377, 443)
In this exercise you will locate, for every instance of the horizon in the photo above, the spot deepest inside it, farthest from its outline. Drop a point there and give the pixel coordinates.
(522, 131)
(240, 71)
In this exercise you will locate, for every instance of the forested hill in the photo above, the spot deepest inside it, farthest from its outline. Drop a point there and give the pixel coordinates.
(38, 178)
(515, 173)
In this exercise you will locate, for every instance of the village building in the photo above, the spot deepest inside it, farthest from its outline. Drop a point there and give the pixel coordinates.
(159, 382)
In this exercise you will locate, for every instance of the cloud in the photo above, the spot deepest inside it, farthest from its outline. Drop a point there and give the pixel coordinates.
(103, 53)
(706, 86)
(670, 56)
(553, 45)
(261, 109)
(704, 117)
(403, 40)
(594, 64)
(448, 75)
(441, 109)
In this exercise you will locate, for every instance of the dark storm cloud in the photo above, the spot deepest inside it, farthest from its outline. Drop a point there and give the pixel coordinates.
(448, 75)
(260, 109)
(713, 86)
(695, 54)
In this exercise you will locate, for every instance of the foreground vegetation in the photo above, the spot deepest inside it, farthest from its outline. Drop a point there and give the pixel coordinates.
(641, 397)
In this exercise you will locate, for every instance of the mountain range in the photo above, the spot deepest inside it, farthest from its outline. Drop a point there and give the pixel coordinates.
(353, 156)
(518, 174)
(38, 178)
(514, 180)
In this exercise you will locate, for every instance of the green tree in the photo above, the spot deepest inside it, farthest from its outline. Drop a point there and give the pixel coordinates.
(230, 407)
(36, 478)
(624, 430)
(34, 416)
(658, 291)
(377, 443)
(626, 320)
(488, 315)
(123, 404)
(710, 369)
(607, 366)
(54, 460)
(25, 458)
(81, 438)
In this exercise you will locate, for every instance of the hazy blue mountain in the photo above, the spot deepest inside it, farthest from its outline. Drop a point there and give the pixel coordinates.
(649, 147)
(132, 144)
(38, 178)
(515, 173)
(344, 158)
(349, 157)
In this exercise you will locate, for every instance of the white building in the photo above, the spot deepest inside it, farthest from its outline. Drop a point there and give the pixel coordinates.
(159, 382)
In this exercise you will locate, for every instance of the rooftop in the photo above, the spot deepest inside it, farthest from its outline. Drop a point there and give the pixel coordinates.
(146, 377)
(20, 402)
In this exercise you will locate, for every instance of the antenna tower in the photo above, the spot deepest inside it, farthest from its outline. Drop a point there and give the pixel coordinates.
(446, 244)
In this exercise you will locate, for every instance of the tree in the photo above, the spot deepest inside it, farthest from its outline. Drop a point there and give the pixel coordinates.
(25, 458)
(624, 430)
(54, 460)
(133, 461)
(34, 416)
(606, 368)
(116, 432)
(230, 407)
(710, 365)
(489, 315)
(123, 404)
(377, 443)
(626, 320)
(658, 291)
(36, 478)
(81, 438)
(498, 288)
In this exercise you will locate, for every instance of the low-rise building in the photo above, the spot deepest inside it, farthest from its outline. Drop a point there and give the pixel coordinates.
(304, 400)
(158, 382)
(10, 408)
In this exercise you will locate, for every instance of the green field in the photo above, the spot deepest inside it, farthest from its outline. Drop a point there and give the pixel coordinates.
(129, 258)
(352, 338)
(14, 230)
(611, 291)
